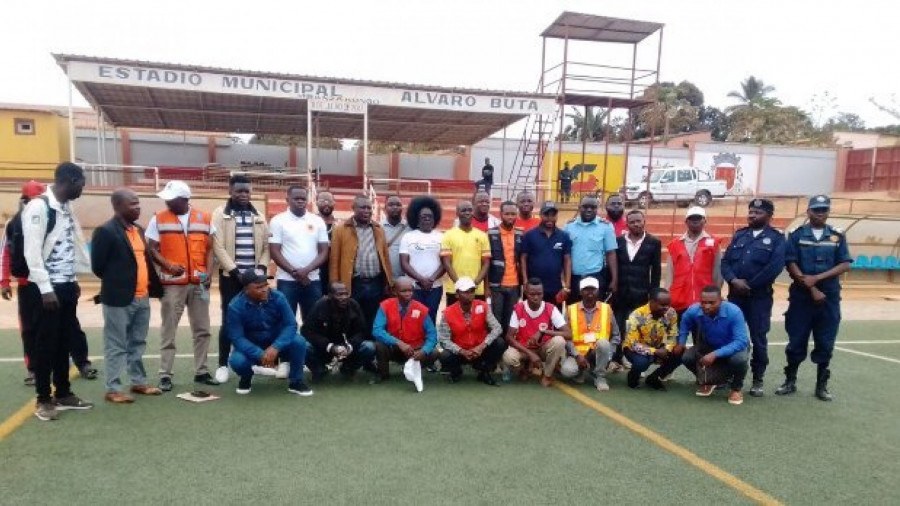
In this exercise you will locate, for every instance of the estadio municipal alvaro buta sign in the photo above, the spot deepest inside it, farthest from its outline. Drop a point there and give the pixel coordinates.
(302, 89)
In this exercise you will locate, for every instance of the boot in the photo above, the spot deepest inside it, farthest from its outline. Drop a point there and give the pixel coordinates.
(757, 389)
(822, 376)
(790, 380)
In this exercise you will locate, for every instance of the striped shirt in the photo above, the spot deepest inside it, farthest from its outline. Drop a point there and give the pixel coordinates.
(244, 252)
(366, 264)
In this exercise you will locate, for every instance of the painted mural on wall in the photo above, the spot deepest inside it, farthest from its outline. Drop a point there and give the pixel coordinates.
(739, 171)
(588, 176)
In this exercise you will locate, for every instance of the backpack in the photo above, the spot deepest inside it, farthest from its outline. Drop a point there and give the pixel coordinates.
(18, 266)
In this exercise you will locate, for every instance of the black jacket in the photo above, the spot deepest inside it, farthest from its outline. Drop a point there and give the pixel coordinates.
(638, 277)
(113, 261)
(498, 259)
(329, 324)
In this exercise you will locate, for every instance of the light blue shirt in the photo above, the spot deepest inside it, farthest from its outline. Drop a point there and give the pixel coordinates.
(591, 242)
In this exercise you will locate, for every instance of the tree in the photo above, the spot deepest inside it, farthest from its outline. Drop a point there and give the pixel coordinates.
(754, 94)
(893, 108)
(845, 122)
(772, 124)
(716, 122)
(586, 127)
(674, 108)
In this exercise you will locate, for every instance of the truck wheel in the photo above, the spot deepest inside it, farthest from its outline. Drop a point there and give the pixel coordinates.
(703, 198)
(644, 200)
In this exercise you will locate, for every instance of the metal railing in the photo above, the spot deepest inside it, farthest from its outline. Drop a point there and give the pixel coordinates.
(399, 182)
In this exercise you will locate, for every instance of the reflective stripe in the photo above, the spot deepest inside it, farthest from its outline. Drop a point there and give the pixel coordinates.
(169, 227)
(199, 227)
(601, 330)
(823, 243)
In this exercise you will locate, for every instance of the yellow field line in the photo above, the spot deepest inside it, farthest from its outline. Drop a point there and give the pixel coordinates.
(681, 452)
(25, 412)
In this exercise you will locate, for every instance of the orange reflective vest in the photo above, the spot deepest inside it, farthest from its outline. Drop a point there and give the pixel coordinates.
(585, 336)
(467, 335)
(411, 328)
(188, 250)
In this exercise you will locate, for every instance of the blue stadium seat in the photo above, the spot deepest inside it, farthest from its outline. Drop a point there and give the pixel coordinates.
(861, 262)
(876, 263)
(891, 263)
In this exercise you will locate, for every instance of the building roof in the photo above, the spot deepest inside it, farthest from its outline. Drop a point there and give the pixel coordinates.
(141, 94)
(575, 26)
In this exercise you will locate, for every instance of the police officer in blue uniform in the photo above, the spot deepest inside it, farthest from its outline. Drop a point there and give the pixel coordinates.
(750, 265)
(816, 256)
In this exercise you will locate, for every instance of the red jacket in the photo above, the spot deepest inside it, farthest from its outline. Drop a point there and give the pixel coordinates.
(411, 329)
(689, 278)
(468, 335)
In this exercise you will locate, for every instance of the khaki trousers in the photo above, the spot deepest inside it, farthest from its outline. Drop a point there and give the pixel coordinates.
(550, 352)
(174, 301)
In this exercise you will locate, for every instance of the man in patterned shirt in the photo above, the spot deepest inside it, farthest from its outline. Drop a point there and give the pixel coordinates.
(650, 338)
(240, 245)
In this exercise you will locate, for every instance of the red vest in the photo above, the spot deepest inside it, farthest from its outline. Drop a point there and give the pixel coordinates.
(528, 325)
(411, 329)
(689, 278)
(467, 335)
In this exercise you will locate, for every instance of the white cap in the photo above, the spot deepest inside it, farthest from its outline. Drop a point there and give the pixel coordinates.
(695, 211)
(175, 189)
(464, 284)
(589, 281)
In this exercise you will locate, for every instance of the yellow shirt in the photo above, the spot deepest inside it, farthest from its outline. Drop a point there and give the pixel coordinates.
(654, 333)
(466, 250)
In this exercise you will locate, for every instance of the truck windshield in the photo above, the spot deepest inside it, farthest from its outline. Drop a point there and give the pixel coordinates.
(655, 175)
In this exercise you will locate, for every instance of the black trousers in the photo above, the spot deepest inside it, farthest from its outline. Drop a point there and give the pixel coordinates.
(229, 288)
(53, 333)
(486, 362)
(78, 346)
(385, 354)
(368, 292)
(503, 299)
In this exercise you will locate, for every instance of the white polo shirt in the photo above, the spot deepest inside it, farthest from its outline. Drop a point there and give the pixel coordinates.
(299, 237)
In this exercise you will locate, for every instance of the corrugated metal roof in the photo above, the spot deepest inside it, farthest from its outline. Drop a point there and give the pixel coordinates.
(588, 27)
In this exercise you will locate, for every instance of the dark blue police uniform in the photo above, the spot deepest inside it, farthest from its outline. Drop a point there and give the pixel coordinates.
(804, 316)
(758, 261)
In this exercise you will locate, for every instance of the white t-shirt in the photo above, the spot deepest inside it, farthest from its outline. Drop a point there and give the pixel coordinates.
(299, 237)
(556, 318)
(424, 250)
(152, 231)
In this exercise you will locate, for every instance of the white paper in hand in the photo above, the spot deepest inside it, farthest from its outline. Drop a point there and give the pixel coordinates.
(412, 371)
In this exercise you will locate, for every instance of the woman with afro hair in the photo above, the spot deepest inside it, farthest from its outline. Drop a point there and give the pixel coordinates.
(420, 252)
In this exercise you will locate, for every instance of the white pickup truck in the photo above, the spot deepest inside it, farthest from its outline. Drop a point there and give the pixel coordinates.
(676, 184)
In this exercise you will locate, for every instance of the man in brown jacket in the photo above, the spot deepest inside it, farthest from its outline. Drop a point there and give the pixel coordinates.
(359, 259)
(240, 244)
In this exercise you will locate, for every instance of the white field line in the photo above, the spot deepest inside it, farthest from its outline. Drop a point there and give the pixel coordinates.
(872, 355)
(888, 341)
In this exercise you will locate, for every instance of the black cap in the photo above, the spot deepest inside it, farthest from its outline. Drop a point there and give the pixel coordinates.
(819, 202)
(762, 204)
(251, 277)
(548, 206)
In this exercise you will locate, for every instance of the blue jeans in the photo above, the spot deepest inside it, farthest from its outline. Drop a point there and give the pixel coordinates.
(362, 356)
(294, 353)
(124, 342)
(299, 295)
(431, 299)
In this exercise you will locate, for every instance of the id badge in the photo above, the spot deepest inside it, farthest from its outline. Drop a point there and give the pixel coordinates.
(590, 338)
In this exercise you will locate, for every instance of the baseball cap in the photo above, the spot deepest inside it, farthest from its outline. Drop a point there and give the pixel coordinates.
(175, 189)
(32, 189)
(548, 206)
(819, 202)
(251, 277)
(588, 282)
(464, 284)
(695, 211)
(762, 204)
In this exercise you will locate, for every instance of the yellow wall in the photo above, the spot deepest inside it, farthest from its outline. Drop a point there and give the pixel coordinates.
(36, 155)
(614, 174)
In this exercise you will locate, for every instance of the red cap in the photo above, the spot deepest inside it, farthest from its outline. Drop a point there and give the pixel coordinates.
(32, 189)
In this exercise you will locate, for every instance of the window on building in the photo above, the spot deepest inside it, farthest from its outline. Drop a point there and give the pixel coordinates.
(24, 126)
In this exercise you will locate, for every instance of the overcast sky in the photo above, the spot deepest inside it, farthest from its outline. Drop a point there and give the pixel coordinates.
(803, 48)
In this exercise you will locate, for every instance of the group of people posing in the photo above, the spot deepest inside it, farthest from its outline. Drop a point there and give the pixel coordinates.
(522, 295)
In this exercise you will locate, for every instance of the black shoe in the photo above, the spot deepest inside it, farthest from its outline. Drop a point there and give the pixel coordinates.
(87, 372)
(300, 388)
(205, 379)
(165, 384)
(378, 379)
(454, 378)
(757, 389)
(244, 384)
(823, 394)
(487, 379)
(822, 377)
(788, 387)
(29, 380)
(653, 382)
(634, 378)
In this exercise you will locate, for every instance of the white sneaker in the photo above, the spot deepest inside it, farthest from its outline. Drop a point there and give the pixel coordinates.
(282, 371)
(263, 371)
(222, 374)
(602, 385)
